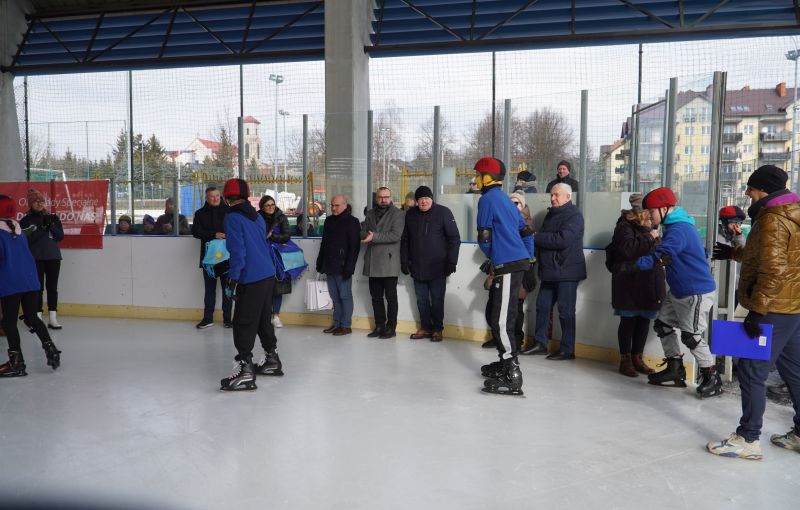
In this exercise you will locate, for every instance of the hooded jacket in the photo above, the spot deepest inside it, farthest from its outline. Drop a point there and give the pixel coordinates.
(688, 271)
(17, 267)
(770, 276)
(208, 221)
(44, 240)
(246, 240)
(338, 252)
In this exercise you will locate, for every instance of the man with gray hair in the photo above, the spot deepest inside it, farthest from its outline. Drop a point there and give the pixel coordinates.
(559, 250)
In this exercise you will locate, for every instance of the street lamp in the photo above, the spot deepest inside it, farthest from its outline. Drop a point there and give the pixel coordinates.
(284, 114)
(278, 79)
(384, 134)
(795, 56)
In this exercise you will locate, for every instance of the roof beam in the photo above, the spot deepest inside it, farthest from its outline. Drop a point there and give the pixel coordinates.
(432, 20)
(380, 22)
(572, 18)
(84, 11)
(647, 13)
(167, 33)
(680, 12)
(508, 18)
(94, 36)
(796, 5)
(129, 35)
(472, 20)
(22, 43)
(284, 27)
(247, 26)
(709, 13)
(57, 38)
(209, 31)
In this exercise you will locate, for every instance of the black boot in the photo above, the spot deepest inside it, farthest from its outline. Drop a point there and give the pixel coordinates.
(242, 379)
(675, 374)
(378, 331)
(509, 382)
(14, 367)
(493, 370)
(389, 331)
(710, 382)
(270, 364)
(52, 353)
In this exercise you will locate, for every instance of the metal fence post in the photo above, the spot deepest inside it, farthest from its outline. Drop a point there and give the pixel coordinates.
(507, 143)
(113, 187)
(307, 200)
(176, 199)
(717, 109)
(437, 142)
(583, 175)
(669, 141)
(369, 156)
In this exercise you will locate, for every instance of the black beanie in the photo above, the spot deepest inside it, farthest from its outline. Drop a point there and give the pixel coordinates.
(423, 192)
(768, 178)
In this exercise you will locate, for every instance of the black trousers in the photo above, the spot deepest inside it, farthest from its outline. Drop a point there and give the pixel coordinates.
(504, 294)
(378, 287)
(48, 278)
(10, 306)
(210, 298)
(252, 316)
(632, 334)
(519, 323)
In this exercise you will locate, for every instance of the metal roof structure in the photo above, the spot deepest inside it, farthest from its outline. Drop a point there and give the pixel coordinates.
(93, 35)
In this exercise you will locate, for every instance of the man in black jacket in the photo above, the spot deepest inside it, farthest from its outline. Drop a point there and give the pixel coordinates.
(337, 258)
(209, 224)
(429, 252)
(563, 169)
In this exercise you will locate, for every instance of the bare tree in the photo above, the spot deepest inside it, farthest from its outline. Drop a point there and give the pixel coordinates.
(423, 152)
(545, 139)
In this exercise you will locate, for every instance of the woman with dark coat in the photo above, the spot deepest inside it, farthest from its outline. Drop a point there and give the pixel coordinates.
(636, 294)
(43, 243)
(277, 232)
(19, 285)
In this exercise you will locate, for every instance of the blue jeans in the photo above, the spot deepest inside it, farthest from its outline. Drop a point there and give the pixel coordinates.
(566, 293)
(753, 374)
(430, 303)
(277, 301)
(341, 292)
(210, 299)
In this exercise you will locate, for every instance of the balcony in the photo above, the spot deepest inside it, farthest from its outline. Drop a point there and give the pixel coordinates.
(774, 157)
(731, 137)
(729, 156)
(781, 136)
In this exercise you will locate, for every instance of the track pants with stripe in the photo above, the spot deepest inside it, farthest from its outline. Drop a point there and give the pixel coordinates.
(504, 295)
(688, 317)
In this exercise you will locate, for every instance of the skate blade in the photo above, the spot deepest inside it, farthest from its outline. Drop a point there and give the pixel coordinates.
(511, 393)
(710, 395)
(245, 387)
(275, 373)
(669, 384)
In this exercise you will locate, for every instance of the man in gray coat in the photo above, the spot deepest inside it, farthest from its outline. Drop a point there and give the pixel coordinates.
(381, 232)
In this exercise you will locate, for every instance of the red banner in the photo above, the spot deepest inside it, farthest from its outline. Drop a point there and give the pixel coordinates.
(80, 205)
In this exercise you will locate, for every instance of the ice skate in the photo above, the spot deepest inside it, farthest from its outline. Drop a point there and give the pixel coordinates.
(673, 376)
(493, 370)
(242, 379)
(508, 383)
(14, 367)
(270, 364)
(710, 383)
(52, 353)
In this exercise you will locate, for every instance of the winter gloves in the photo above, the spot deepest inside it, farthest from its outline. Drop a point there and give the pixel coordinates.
(722, 252)
(752, 324)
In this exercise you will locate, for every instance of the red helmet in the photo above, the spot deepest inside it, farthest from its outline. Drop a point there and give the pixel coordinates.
(732, 213)
(236, 188)
(659, 197)
(491, 166)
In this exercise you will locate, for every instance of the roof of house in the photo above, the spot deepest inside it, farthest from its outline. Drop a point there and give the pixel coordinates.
(213, 146)
(250, 120)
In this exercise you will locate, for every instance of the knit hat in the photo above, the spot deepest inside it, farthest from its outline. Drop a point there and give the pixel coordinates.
(526, 176)
(8, 209)
(519, 195)
(768, 178)
(636, 201)
(34, 195)
(125, 218)
(236, 188)
(492, 166)
(148, 220)
(423, 192)
(659, 197)
(732, 214)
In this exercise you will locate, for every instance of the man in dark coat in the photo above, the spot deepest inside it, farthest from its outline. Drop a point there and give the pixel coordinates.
(559, 250)
(337, 258)
(429, 252)
(164, 223)
(209, 224)
(563, 170)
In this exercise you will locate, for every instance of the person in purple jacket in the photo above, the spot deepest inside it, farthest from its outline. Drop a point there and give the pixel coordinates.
(19, 284)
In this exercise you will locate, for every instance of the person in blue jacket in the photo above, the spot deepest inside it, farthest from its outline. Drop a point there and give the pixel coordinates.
(251, 280)
(690, 296)
(19, 284)
(507, 241)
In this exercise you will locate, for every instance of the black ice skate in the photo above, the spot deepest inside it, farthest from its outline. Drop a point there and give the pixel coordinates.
(493, 370)
(52, 353)
(270, 364)
(710, 382)
(242, 379)
(508, 383)
(674, 376)
(14, 367)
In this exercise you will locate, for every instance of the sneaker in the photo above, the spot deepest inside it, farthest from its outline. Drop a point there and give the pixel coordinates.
(203, 324)
(790, 441)
(736, 446)
(227, 324)
(276, 321)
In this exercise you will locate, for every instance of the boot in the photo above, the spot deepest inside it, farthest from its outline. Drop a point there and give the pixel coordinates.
(270, 364)
(53, 322)
(626, 366)
(639, 364)
(508, 383)
(14, 367)
(710, 382)
(242, 379)
(375, 333)
(52, 353)
(390, 331)
(675, 373)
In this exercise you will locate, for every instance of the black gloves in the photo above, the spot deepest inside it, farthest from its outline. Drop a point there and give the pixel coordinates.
(48, 221)
(449, 269)
(722, 252)
(486, 267)
(404, 269)
(752, 324)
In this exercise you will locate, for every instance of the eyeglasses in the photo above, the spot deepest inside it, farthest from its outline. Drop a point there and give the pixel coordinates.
(515, 202)
(270, 205)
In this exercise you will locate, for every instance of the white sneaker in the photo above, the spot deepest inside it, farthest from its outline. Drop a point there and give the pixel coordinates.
(276, 321)
(736, 446)
(790, 440)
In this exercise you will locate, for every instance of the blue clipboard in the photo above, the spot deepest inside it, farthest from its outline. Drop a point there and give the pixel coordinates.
(728, 338)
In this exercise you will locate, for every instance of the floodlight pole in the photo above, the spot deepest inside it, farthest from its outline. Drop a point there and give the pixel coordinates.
(795, 167)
